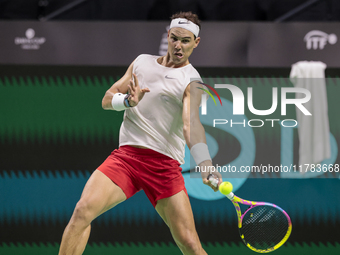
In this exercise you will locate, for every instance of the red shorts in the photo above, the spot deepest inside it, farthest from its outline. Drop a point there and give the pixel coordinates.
(134, 169)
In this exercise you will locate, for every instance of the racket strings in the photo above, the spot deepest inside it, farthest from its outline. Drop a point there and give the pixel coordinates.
(264, 226)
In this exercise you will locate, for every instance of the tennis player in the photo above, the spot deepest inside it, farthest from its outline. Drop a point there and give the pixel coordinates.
(161, 103)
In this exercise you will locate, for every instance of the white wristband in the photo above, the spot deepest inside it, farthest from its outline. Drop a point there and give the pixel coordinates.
(200, 152)
(118, 102)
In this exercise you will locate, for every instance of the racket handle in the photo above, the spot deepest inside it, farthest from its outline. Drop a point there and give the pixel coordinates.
(213, 179)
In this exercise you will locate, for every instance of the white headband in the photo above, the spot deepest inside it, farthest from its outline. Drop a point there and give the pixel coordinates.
(186, 24)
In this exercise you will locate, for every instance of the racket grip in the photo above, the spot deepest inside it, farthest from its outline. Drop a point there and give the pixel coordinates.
(213, 179)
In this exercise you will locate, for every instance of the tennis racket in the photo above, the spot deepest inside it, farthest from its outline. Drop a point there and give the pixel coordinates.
(263, 227)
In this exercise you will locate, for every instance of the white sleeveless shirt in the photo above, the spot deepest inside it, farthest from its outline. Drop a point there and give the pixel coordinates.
(156, 122)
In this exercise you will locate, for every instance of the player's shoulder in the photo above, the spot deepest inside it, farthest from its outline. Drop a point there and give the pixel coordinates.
(144, 59)
(146, 56)
(193, 70)
(192, 74)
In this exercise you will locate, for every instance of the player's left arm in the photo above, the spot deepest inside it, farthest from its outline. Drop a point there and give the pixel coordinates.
(193, 129)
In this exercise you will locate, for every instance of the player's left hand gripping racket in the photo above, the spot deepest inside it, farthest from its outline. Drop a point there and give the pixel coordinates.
(263, 227)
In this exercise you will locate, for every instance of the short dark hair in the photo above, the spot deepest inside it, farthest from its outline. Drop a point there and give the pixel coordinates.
(189, 16)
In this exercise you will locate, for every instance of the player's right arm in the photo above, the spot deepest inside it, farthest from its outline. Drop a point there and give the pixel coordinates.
(120, 86)
(128, 84)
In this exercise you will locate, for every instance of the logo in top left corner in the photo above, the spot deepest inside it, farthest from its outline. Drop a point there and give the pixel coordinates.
(30, 42)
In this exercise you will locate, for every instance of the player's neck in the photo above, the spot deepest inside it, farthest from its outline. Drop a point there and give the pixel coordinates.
(167, 62)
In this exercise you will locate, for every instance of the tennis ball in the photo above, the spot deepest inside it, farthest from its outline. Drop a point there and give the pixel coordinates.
(225, 188)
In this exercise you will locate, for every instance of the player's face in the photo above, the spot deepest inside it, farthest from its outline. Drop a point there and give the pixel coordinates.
(181, 43)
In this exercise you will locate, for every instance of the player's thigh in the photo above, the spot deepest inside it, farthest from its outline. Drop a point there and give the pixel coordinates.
(99, 195)
(177, 213)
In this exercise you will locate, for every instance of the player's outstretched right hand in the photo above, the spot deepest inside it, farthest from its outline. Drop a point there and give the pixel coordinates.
(136, 93)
